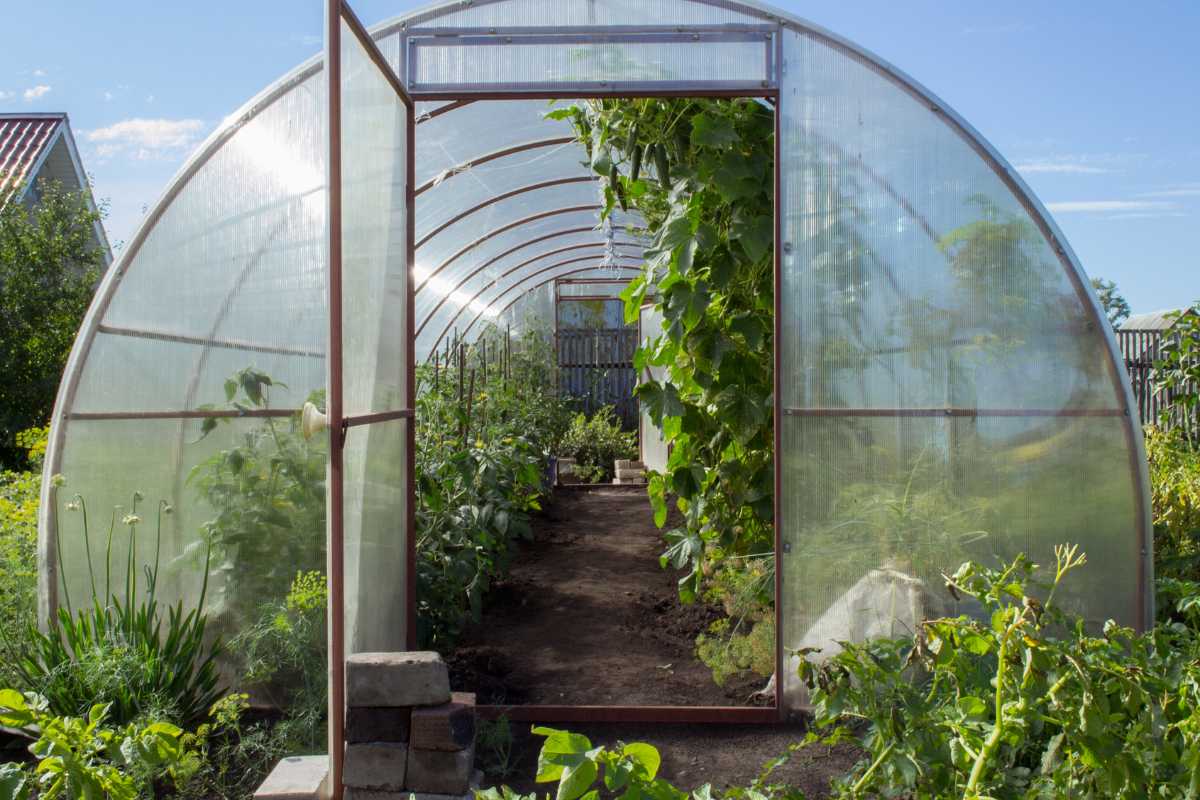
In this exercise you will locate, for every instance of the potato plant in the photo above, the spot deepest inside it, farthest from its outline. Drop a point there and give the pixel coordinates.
(1020, 700)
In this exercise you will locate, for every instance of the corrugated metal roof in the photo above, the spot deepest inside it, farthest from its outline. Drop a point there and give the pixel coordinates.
(24, 140)
(1154, 321)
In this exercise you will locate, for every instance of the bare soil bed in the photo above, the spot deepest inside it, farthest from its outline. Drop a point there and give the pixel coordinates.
(587, 617)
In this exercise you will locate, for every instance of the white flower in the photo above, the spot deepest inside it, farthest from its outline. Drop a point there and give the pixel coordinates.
(131, 519)
(168, 509)
(73, 505)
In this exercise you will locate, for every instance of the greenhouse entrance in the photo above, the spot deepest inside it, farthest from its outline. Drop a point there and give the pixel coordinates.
(498, 240)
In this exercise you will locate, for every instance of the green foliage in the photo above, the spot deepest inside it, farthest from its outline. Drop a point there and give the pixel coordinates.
(49, 266)
(1019, 701)
(483, 437)
(1177, 375)
(596, 443)
(267, 493)
(83, 757)
(626, 771)
(710, 211)
(1115, 306)
(1175, 501)
(494, 746)
(284, 660)
(744, 640)
(118, 650)
(19, 500)
(227, 757)
(730, 649)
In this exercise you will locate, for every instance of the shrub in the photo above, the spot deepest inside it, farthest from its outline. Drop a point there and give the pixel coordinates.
(49, 266)
(19, 500)
(118, 650)
(596, 443)
(83, 757)
(1175, 500)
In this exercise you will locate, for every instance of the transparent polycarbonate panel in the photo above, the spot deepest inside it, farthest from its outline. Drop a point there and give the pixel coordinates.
(440, 246)
(449, 140)
(531, 315)
(562, 244)
(376, 486)
(558, 13)
(597, 288)
(375, 267)
(916, 278)
(443, 299)
(375, 243)
(472, 187)
(258, 542)
(237, 255)
(500, 275)
(135, 373)
(653, 448)
(701, 60)
(916, 290)
(590, 313)
(494, 302)
(880, 507)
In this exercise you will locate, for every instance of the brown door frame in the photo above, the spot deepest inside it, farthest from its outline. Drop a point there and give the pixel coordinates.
(630, 713)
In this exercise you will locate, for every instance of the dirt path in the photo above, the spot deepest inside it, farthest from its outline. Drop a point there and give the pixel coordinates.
(587, 617)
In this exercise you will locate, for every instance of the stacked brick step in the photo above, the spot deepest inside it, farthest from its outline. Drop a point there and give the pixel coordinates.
(631, 472)
(406, 733)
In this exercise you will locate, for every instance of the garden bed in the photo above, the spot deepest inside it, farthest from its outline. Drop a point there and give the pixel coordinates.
(587, 617)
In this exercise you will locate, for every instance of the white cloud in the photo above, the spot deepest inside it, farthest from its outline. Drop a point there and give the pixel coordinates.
(1101, 206)
(1182, 190)
(41, 90)
(145, 138)
(5, 95)
(39, 73)
(108, 97)
(1059, 166)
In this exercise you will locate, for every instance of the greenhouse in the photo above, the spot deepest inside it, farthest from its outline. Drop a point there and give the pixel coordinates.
(942, 384)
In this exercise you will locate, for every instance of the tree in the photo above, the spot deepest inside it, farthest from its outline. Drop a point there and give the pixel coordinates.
(50, 263)
(1115, 306)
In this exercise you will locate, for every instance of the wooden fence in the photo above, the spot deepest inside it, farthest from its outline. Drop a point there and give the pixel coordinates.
(596, 368)
(1141, 349)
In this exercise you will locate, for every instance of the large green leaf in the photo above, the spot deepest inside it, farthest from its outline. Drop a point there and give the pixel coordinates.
(713, 130)
(740, 411)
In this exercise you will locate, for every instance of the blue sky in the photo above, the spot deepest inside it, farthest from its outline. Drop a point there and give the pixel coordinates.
(1096, 103)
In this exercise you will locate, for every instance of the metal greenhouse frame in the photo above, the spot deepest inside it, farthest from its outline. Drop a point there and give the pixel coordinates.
(404, 187)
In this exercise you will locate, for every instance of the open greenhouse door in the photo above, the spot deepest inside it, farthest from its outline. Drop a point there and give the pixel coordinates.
(370, 398)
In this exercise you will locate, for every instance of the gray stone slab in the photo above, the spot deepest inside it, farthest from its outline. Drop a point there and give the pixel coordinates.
(440, 771)
(377, 724)
(295, 778)
(377, 765)
(394, 680)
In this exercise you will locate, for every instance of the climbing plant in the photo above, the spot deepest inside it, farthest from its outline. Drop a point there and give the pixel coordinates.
(700, 172)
